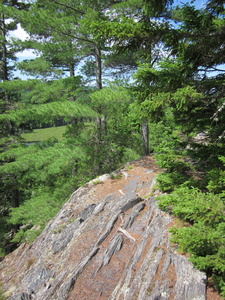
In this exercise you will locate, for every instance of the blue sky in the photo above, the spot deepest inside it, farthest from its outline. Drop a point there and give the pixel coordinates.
(197, 3)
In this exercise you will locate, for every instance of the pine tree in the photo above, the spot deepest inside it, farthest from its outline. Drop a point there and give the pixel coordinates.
(34, 172)
(188, 84)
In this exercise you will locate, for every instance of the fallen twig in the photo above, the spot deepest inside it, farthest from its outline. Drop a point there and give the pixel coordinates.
(126, 233)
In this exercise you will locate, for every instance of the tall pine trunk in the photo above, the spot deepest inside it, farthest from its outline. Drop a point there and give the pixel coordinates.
(101, 120)
(3, 67)
(71, 67)
(98, 66)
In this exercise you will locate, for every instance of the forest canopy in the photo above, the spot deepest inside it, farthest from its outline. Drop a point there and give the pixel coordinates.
(125, 78)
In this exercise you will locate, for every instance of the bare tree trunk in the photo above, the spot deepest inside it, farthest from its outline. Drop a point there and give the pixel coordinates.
(145, 137)
(98, 65)
(101, 121)
(3, 63)
(102, 128)
(15, 201)
(72, 72)
(4, 69)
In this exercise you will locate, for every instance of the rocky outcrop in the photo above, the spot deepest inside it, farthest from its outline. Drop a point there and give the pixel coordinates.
(109, 241)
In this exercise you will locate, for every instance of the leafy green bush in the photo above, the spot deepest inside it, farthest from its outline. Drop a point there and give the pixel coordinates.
(204, 238)
(216, 178)
(169, 181)
(195, 206)
(177, 170)
(163, 137)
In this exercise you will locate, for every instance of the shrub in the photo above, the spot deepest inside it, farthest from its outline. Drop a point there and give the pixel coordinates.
(205, 239)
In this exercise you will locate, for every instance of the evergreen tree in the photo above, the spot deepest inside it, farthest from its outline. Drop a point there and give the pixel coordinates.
(7, 49)
(189, 85)
(56, 27)
(62, 164)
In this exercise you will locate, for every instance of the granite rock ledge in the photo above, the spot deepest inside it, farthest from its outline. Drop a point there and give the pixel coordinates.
(109, 241)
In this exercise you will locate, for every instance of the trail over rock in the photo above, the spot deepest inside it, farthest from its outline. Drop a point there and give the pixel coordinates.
(109, 241)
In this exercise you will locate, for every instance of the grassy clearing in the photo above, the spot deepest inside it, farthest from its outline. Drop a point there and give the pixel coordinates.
(43, 134)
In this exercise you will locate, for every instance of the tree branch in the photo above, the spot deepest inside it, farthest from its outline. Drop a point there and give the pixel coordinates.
(69, 7)
(72, 36)
(211, 69)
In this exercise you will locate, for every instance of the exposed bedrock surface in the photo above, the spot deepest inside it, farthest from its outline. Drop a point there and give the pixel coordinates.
(109, 241)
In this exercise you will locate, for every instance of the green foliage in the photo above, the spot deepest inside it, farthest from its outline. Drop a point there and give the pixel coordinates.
(55, 90)
(163, 137)
(5, 230)
(194, 206)
(43, 176)
(154, 106)
(178, 170)
(205, 239)
(35, 212)
(115, 139)
(169, 181)
(47, 112)
(38, 67)
(43, 104)
(107, 100)
(18, 85)
(186, 97)
(216, 178)
(167, 77)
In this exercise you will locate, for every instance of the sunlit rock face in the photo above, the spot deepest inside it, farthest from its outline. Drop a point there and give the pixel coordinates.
(109, 241)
